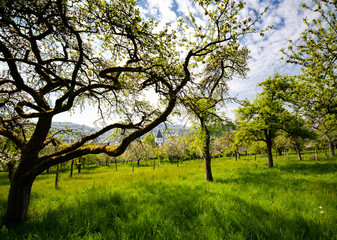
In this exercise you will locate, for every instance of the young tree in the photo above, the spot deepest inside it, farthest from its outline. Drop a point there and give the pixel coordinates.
(282, 142)
(206, 94)
(203, 110)
(269, 115)
(194, 143)
(139, 151)
(175, 148)
(229, 142)
(256, 147)
(261, 119)
(297, 132)
(219, 144)
(153, 152)
(62, 54)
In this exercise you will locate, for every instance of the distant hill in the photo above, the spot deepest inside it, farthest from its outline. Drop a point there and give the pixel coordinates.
(70, 125)
(171, 127)
(70, 131)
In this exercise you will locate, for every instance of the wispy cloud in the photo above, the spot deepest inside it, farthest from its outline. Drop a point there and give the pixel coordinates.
(287, 17)
(163, 11)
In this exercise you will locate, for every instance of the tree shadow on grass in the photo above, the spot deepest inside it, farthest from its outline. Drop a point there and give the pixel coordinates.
(295, 180)
(310, 167)
(165, 211)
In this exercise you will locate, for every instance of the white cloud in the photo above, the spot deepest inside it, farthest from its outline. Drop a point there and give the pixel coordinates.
(161, 11)
(287, 16)
(185, 7)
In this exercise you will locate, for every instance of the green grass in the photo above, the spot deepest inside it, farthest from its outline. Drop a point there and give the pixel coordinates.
(246, 201)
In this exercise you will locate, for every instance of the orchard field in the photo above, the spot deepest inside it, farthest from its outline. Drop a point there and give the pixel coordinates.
(247, 200)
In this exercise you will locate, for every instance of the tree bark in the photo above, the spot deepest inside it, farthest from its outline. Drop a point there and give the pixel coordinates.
(71, 168)
(207, 155)
(57, 176)
(331, 149)
(269, 153)
(23, 178)
(10, 166)
(79, 165)
(208, 171)
(287, 154)
(269, 143)
(316, 154)
(298, 151)
(331, 146)
(18, 200)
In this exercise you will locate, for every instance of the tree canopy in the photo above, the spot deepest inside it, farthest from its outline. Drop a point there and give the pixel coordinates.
(313, 92)
(316, 52)
(262, 118)
(60, 54)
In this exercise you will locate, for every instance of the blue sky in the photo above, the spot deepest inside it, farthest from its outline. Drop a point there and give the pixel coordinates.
(265, 60)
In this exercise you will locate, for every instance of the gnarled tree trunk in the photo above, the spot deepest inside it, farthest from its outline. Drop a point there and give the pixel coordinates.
(24, 176)
(18, 199)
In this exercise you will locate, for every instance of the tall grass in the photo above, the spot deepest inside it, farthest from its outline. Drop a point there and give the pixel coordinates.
(294, 200)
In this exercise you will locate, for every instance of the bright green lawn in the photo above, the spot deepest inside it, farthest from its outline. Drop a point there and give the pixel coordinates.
(294, 200)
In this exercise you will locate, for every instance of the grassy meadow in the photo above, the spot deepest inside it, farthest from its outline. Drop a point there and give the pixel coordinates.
(294, 200)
